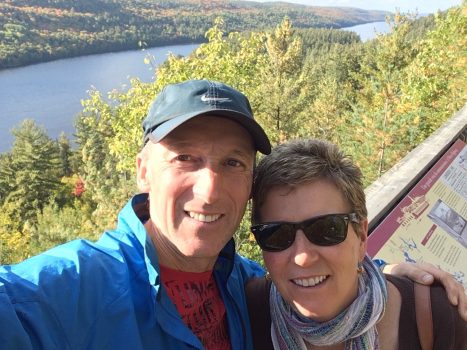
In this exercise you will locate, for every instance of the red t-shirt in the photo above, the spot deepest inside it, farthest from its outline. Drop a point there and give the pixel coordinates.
(200, 305)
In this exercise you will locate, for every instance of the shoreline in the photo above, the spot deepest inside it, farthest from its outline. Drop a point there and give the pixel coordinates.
(64, 57)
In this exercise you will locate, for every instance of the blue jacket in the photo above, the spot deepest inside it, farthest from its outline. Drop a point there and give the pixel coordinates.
(108, 295)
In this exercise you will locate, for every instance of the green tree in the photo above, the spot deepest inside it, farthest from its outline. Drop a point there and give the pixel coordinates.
(437, 79)
(382, 132)
(57, 225)
(14, 244)
(34, 172)
(331, 89)
(281, 89)
(7, 176)
(65, 154)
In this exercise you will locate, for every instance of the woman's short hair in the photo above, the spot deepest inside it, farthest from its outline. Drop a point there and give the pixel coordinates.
(304, 161)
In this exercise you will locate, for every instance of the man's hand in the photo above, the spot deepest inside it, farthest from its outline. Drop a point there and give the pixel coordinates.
(425, 273)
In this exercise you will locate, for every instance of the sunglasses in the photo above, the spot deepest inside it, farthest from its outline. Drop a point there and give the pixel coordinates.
(324, 230)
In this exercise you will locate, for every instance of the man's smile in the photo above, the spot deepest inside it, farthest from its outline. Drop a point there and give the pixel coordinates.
(203, 217)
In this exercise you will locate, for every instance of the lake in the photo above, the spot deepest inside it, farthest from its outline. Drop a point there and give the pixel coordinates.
(51, 93)
(368, 31)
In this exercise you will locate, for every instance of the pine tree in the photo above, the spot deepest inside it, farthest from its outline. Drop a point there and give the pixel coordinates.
(33, 173)
(281, 82)
(65, 154)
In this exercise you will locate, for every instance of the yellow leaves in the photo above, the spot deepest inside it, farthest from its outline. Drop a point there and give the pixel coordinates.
(14, 247)
(284, 49)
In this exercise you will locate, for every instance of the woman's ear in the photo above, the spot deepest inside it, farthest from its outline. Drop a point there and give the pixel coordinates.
(142, 179)
(363, 237)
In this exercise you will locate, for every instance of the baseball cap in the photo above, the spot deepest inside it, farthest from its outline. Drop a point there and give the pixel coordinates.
(178, 103)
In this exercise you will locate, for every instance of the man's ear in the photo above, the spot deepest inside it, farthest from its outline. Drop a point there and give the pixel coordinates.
(142, 179)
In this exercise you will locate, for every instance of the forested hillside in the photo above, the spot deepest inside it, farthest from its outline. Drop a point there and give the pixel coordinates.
(377, 100)
(40, 30)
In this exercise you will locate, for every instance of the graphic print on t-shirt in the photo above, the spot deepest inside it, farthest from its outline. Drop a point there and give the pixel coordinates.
(199, 303)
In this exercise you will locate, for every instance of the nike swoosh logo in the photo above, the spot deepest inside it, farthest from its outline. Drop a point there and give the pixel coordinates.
(205, 98)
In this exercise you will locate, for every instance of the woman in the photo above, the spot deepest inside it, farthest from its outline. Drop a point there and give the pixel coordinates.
(310, 220)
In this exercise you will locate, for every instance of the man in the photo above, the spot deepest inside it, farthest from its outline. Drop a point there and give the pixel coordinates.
(168, 276)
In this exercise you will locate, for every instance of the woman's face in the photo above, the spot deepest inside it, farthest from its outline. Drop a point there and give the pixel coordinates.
(319, 281)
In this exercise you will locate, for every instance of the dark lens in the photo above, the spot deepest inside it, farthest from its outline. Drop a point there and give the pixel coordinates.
(328, 230)
(277, 237)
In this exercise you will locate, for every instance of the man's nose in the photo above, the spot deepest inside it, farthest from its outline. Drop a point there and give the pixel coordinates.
(304, 252)
(207, 184)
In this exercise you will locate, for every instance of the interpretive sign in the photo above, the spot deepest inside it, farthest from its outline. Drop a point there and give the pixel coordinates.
(430, 223)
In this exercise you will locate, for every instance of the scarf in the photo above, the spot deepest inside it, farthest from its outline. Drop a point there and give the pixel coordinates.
(356, 325)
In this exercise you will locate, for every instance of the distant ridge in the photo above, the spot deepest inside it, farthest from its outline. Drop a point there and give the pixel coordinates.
(33, 31)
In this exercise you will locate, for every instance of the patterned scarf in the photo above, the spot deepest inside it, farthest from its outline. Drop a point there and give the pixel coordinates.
(356, 325)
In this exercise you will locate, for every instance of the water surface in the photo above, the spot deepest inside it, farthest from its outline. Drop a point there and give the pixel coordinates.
(51, 93)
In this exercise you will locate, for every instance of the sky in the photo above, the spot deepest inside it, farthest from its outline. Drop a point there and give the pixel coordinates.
(419, 6)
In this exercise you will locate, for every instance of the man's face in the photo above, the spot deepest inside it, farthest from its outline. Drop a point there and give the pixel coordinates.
(199, 180)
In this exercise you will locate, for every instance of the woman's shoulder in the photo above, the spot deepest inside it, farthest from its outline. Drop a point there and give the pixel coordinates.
(257, 296)
(258, 285)
(450, 331)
